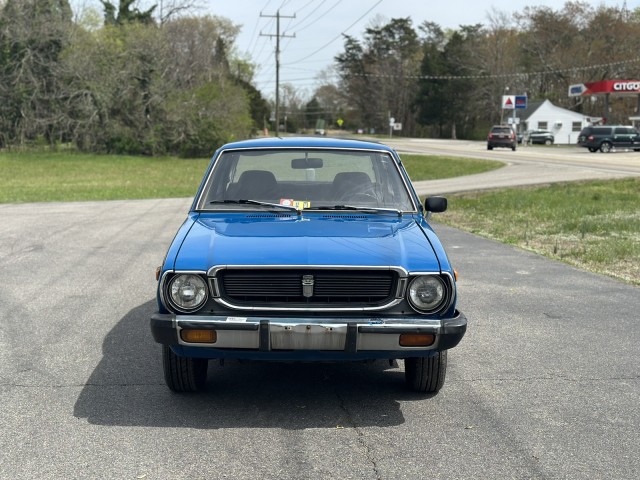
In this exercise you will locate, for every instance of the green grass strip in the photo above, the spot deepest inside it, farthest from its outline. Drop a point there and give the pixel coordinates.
(593, 225)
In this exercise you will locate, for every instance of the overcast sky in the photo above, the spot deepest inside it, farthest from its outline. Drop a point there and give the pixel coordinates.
(319, 24)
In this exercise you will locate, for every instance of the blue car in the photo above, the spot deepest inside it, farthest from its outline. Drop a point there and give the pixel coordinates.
(307, 249)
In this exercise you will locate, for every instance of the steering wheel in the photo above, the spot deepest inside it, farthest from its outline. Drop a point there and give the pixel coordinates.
(366, 194)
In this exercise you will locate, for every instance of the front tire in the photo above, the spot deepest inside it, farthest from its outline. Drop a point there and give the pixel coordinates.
(183, 374)
(426, 374)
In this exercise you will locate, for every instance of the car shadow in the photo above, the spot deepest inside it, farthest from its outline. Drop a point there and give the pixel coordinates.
(127, 389)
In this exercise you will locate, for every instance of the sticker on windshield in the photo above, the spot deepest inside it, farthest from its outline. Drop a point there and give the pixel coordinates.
(299, 204)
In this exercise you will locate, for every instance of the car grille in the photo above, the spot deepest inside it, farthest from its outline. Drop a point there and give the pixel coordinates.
(317, 288)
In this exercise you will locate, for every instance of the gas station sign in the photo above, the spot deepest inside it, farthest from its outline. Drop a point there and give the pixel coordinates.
(511, 102)
(618, 87)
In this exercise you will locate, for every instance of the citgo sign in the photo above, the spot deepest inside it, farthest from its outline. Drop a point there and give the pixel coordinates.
(605, 86)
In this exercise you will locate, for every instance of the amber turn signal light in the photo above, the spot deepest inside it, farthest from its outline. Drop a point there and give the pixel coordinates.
(158, 270)
(199, 336)
(417, 339)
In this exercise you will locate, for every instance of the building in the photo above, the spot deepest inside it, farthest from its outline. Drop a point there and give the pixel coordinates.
(564, 124)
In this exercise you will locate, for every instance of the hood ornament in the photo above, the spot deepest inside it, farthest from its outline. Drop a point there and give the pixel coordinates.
(307, 285)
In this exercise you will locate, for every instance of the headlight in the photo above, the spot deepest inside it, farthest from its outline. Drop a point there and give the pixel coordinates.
(427, 293)
(187, 292)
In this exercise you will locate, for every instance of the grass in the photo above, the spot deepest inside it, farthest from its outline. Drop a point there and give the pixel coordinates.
(422, 167)
(593, 225)
(63, 176)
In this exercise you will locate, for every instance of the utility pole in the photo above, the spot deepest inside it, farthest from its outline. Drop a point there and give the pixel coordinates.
(277, 16)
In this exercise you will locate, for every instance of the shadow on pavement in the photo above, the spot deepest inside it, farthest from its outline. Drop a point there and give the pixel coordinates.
(127, 389)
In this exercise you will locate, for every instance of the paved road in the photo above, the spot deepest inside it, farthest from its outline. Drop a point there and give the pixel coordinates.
(529, 165)
(544, 386)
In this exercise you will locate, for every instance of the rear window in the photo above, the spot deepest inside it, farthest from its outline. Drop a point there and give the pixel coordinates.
(501, 130)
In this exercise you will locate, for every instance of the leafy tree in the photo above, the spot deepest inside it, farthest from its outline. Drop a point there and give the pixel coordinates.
(33, 34)
(148, 90)
(126, 13)
(312, 113)
(430, 100)
(379, 76)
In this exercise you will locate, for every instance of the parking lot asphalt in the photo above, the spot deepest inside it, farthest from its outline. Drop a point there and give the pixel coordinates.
(544, 385)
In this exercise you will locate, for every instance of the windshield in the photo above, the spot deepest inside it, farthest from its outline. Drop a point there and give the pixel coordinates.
(305, 179)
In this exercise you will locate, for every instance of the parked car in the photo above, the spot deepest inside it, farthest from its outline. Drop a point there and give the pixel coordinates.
(307, 249)
(501, 136)
(543, 137)
(606, 138)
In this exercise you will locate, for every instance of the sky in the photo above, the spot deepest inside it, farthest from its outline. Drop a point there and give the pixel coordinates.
(319, 26)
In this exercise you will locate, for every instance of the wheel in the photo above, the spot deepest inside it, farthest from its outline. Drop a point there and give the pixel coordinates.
(426, 374)
(183, 374)
(605, 147)
(592, 150)
(513, 148)
(366, 194)
(489, 147)
(548, 141)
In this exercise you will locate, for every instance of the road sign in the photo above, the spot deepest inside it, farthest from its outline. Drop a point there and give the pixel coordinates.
(521, 101)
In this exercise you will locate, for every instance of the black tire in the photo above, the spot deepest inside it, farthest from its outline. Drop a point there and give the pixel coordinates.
(513, 148)
(605, 147)
(489, 147)
(183, 374)
(593, 150)
(426, 374)
(548, 141)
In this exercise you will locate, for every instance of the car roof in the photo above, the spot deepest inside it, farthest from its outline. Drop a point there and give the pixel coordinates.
(306, 142)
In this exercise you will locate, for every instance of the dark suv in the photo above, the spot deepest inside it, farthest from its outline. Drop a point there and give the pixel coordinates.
(605, 138)
(501, 136)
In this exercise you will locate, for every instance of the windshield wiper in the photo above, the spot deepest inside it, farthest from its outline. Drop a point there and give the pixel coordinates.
(360, 209)
(256, 202)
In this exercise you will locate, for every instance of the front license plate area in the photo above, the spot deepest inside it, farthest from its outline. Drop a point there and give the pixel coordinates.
(308, 337)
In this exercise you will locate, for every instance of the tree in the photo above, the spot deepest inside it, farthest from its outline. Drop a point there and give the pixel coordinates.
(380, 75)
(147, 90)
(33, 33)
(430, 102)
(126, 13)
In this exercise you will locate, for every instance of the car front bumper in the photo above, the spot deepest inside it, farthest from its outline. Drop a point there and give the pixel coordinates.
(283, 338)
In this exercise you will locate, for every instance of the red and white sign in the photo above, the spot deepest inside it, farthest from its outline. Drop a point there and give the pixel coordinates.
(618, 87)
(508, 102)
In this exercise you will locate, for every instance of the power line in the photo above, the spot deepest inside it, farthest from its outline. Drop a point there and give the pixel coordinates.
(337, 37)
(299, 28)
(501, 75)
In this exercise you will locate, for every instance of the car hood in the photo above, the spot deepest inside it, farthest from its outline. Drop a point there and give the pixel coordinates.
(312, 239)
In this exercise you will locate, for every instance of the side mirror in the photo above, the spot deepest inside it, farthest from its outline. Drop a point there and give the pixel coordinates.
(435, 204)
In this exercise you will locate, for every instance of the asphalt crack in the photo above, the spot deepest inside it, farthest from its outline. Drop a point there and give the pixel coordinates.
(360, 437)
